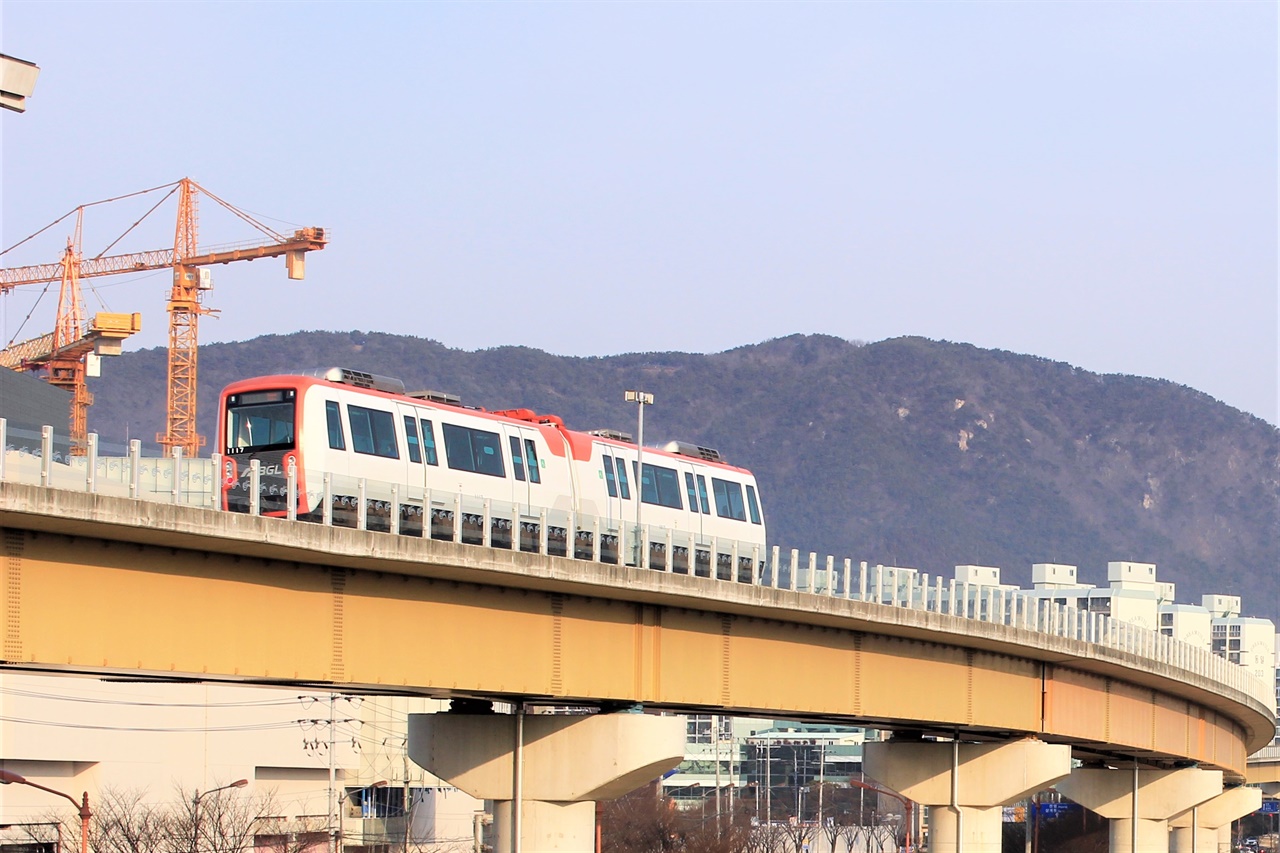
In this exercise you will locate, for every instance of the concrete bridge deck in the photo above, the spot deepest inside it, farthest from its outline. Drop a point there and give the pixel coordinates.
(98, 584)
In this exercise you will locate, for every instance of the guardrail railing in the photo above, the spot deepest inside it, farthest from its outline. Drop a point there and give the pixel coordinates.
(437, 514)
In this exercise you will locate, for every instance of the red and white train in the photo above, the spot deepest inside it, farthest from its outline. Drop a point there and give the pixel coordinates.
(356, 426)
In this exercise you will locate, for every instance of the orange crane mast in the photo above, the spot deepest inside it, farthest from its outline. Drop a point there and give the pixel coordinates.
(184, 307)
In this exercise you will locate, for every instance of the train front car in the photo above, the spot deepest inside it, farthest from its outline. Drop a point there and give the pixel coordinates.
(259, 421)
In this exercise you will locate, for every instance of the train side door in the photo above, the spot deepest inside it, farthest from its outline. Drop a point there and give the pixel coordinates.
(693, 502)
(526, 472)
(413, 484)
(614, 503)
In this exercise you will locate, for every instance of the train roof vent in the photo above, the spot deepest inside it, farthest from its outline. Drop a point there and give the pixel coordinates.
(615, 434)
(358, 378)
(437, 397)
(684, 448)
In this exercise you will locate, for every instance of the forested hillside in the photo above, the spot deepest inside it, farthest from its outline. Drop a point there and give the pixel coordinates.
(907, 452)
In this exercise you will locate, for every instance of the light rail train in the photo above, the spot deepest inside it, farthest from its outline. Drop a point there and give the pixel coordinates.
(362, 434)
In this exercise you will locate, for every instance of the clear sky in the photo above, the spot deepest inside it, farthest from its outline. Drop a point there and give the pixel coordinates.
(1090, 182)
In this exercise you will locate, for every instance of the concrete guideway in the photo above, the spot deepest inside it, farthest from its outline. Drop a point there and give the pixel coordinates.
(173, 591)
(96, 584)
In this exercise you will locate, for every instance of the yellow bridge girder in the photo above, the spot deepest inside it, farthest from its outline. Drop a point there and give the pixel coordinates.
(91, 584)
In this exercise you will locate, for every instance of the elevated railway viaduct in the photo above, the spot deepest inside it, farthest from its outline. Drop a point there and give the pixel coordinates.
(985, 710)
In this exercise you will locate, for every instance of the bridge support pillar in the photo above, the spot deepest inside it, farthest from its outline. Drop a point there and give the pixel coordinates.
(1140, 804)
(1207, 821)
(557, 768)
(965, 784)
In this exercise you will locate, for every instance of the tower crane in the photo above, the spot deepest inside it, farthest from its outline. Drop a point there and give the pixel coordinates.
(185, 259)
(64, 352)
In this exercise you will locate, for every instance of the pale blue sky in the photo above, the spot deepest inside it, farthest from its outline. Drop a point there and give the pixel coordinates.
(1089, 182)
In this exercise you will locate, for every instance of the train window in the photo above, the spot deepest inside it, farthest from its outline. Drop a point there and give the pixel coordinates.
(517, 461)
(609, 482)
(429, 442)
(531, 456)
(373, 431)
(702, 495)
(728, 499)
(623, 485)
(660, 486)
(337, 441)
(473, 450)
(688, 488)
(752, 506)
(411, 438)
(259, 426)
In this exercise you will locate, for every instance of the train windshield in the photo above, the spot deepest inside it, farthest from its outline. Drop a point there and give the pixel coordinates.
(260, 420)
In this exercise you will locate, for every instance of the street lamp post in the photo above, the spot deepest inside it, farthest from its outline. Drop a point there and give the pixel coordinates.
(641, 399)
(195, 808)
(9, 778)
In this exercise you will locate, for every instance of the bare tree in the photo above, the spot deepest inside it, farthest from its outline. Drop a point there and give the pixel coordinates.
(849, 835)
(639, 822)
(884, 837)
(797, 835)
(124, 823)
(220, 821)
(772, 837)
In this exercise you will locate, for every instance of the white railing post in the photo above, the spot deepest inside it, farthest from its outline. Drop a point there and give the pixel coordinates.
(291, 489)
(879, 583)
(669, 542)
(135, 467)
(831, 575)
(862, 581)
(486, 532)
(326, 516)
(46, 454)
(255, 487)
(846, 577)
(215, 486)
(457, 517)
(755, 565)
(362, 508)
(176, 492)
(542, 532)
(774, 560)
(91, 464)
(795, 568)
(595, 539)
(571, 536)
(393, 515)
(813, 572)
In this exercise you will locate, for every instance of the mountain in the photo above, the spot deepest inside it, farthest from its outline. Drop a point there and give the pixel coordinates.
(906, 452)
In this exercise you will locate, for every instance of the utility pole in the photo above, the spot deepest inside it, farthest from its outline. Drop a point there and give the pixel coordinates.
(333, 778)
(715, 733)
(768, 781)
(641, 399)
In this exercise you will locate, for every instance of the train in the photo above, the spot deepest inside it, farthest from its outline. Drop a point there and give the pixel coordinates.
(424, 464)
